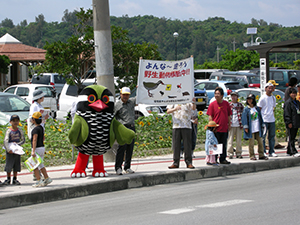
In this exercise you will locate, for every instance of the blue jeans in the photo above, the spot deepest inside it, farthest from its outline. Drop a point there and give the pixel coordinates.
(271, 136)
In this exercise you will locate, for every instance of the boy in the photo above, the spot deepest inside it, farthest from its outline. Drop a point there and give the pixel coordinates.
(37, 144)
(13, 161)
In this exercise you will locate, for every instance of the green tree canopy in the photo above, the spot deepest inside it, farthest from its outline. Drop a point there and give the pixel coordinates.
(4, 63)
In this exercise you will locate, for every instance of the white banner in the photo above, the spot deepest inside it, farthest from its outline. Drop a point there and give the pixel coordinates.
(165, 82)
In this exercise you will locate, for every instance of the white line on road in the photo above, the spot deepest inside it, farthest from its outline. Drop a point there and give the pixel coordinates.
(213, 205)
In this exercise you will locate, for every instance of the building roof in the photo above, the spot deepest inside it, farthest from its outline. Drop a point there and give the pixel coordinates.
(16, 51)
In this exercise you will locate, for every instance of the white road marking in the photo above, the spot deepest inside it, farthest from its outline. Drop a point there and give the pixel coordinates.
(213, 205)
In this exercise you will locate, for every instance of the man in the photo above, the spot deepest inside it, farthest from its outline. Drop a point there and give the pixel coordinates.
(277, 145)
(124, 113)
(220, 112)
(267, 104)
(236, 126)
(182, 130)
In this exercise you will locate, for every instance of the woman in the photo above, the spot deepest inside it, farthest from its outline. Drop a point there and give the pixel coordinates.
(253, 127)
(38, 98)
(292, 121)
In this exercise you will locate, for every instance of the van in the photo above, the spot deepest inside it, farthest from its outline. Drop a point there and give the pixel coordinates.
(245, 79)
(53, 79)
(204, 74)
(281, 76)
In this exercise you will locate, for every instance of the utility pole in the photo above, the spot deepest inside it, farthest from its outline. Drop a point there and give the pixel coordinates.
(218, 49)
(234, 42)
(103, 45)
(103, 52)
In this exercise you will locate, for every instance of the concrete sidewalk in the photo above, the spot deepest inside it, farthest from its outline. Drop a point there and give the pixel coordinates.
(148, 171)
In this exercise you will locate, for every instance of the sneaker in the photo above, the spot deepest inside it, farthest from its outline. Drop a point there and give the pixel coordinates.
(296, 155)
(273, 155)
(265, 154)
(119, 171)
(16, 182)
(39, 183)
(6, 182)
(47, 181)
(129, 171)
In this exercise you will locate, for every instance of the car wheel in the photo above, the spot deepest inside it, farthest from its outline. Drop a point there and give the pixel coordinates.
(137, 115)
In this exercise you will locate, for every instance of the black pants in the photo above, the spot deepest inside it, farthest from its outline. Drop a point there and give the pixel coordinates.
(222, 139)
(291, 149)
(126, 149)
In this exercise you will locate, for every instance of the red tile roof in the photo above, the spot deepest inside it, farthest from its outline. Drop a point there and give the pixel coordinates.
(21, 52)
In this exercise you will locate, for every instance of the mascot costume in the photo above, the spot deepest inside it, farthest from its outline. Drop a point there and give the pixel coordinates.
(95, 129)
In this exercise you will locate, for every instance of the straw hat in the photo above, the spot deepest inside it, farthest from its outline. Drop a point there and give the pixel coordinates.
(211, 124)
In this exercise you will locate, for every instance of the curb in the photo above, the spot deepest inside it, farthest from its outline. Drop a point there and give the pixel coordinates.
(141, 180)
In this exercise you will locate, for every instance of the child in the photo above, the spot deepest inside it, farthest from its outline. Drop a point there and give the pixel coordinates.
(13, 161)
(210, 140)
(37, 144)
(253, 127)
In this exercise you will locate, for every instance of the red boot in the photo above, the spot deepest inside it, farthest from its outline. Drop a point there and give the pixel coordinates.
(81, 162)
(99, 166)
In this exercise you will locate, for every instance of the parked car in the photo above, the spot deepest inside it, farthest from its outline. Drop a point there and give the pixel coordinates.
(244, 92)
(210, 86)
(281, 76)
(12, 104)
(245, 79)
(53, 79)
(201, 98)
(25, 91)
(66, 98)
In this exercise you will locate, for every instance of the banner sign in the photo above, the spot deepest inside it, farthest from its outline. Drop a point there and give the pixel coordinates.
(165, 82)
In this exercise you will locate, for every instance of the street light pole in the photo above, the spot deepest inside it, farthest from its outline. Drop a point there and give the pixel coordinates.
(175, 35)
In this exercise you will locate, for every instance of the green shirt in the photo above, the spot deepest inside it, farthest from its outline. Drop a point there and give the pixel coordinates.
(124, 112)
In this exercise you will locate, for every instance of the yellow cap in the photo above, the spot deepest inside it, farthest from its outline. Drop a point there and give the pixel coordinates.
(36, 115)
(272, 82)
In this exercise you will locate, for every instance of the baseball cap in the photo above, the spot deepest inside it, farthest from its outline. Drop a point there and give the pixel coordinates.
(14, 117)
(125, 90)
(37, 115)
(269, 85)
(273, 82)
(234, 93)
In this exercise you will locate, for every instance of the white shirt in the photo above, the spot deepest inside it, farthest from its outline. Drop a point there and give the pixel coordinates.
(267, 105)
(254, 120)
(235, 121)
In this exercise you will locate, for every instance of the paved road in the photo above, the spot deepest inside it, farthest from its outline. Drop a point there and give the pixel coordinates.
(270, 197)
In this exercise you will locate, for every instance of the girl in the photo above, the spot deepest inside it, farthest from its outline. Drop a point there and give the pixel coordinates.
(210, 140)
(253, 127)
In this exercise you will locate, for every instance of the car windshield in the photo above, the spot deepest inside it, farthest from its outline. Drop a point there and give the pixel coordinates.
(41, 79)
(233, 86)
(253, 79)
(72, 89)
(13, 104)
(58, 79)
(244, 93)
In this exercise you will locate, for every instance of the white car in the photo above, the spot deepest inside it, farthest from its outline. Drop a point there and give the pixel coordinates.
(53, 79)
(69, 95)
(25, 91)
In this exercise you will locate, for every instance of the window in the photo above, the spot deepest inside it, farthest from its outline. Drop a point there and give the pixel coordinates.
(211, 86)
(72, 89)
(41, 79)
(277, 75)
(22, 91)
(233, 86)
(46, 90)
(11, 90)
(13, 104)
(58, 79)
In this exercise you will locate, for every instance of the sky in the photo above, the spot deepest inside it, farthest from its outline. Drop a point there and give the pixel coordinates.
(283, 12)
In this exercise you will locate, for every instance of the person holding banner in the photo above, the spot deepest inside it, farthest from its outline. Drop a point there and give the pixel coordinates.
(182, 130)
(253, 127)
(220, 112)
(211, 140)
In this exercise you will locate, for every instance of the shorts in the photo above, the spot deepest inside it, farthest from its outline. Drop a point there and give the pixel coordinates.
(13, 162)
(41, 152)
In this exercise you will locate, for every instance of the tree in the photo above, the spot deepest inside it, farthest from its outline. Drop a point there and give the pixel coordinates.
(4, 63)
(8, 23)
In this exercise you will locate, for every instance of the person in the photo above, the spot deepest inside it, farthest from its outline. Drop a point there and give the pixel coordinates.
(124, 113)
(292, 121)
(181, 130)
(298, 98)
(253, 127)
(36, 106)
(276, 145)
(37, 147)
(292, 84)
(210, 140)
(13, 161)
(267, 104)
(236, 126)
(220, 112)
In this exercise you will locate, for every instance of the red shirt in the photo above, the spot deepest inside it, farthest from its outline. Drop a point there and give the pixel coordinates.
(219, 113)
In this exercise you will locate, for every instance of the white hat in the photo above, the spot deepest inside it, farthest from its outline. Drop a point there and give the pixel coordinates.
(37, 94)
(125, 90)
(269, 85)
